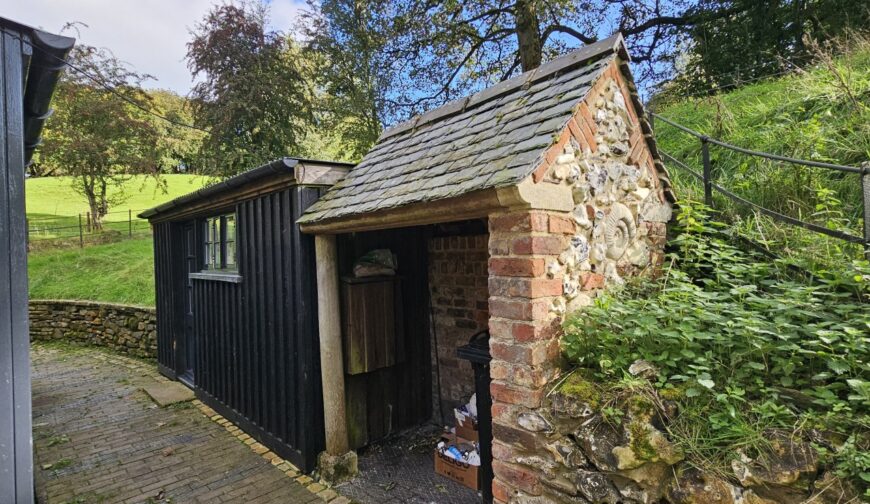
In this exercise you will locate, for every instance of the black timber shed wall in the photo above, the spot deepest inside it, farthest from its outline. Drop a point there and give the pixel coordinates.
(29, 69)
(257, 350)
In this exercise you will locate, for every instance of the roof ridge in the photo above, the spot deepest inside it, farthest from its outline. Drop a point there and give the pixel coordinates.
(613, 44)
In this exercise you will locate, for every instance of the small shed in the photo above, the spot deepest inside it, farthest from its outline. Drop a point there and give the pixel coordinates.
(506, 209)
(29, 70)
(236, 301)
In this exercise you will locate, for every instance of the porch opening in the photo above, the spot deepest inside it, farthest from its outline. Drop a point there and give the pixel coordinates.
(404, 377)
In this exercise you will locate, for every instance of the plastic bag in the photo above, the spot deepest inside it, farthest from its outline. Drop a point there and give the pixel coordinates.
(378, 262)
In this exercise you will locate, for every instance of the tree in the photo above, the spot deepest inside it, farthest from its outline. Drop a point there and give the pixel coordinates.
(762, 38)
(447, 48)
(346, 40)
(251, 97)
(178, 145)
(97, 135)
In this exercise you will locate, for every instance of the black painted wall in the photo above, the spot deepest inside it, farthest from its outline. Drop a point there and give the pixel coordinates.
(257, 358)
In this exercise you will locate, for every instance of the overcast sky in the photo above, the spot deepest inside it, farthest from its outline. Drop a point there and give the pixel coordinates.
(150, 35)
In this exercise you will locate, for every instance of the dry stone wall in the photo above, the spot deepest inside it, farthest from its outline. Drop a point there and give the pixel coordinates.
(130, 330)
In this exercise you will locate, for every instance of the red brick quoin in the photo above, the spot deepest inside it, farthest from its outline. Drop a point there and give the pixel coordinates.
(524, 337)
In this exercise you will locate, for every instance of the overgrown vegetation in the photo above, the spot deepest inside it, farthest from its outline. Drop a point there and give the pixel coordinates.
(742, 346)
(820, 113)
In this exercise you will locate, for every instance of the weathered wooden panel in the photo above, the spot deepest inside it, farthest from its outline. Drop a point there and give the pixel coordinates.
(370, 319)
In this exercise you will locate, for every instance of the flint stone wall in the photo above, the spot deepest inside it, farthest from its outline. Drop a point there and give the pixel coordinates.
(581, 456)
(131, 330)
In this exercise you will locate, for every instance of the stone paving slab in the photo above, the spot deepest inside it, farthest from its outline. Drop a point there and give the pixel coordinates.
(99, 439)
(166, 393)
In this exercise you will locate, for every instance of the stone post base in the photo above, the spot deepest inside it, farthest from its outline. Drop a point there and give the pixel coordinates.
(335, 469)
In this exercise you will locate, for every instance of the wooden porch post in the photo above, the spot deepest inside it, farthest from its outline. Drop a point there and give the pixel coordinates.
(331, 361)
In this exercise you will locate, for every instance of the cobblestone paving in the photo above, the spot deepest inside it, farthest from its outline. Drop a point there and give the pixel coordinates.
(99, 439)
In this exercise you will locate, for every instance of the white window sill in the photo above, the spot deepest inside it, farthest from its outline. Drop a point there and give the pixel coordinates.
(217, 276)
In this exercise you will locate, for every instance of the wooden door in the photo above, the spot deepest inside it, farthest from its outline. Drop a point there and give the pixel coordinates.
(189, 338)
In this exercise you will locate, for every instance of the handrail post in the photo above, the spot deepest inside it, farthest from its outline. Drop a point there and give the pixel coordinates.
(865, 193)
(708, 180)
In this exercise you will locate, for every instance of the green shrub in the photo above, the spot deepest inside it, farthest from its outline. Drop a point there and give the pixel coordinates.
(741, 345)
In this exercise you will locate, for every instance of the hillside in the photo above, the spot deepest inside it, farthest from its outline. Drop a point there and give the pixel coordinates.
(121, 272)
(820, 113)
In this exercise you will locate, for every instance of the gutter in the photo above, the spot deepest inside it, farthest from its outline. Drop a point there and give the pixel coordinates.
(47, 60)
(282, 165)
(304, 171)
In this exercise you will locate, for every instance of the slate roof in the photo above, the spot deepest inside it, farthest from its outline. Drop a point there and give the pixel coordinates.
(491, 139)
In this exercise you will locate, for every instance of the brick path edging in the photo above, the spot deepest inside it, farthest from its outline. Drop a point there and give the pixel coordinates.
(318, 488)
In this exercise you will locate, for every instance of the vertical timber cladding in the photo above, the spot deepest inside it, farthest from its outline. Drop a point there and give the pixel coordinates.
(398, 396)
(165, 278)
(257, 348)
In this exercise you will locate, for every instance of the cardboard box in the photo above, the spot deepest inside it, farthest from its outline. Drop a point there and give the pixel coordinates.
(467, 430)
(460, 472)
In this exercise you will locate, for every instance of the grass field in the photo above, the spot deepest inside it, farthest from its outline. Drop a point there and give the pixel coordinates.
(53, 207)
(121, 272)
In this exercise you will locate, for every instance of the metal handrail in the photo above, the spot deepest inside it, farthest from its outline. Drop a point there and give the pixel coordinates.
(706, 179)
(806, 162)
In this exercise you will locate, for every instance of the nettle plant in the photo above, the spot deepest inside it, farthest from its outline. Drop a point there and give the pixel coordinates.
(743, 345)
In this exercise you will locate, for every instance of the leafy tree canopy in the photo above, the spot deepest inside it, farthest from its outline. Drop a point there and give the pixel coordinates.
(98, 134)
(251, 95)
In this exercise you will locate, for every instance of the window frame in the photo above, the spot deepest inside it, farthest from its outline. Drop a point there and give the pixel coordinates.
(215, 241)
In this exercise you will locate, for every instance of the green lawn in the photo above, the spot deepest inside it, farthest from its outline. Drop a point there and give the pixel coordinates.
(53, 207)
(121, 272)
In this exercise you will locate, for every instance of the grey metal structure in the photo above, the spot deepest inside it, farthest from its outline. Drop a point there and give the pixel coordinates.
(31, 63)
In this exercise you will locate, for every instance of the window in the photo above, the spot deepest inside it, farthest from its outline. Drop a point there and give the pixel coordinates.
(220, 242)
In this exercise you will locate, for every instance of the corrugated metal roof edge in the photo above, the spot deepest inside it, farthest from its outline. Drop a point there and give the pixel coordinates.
(281, 165)
(613, 44)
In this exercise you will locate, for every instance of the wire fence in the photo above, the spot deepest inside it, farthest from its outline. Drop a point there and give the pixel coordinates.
(709, 184)
(83, 229)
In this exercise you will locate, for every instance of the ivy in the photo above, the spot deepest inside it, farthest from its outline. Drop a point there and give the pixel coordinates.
(748, 346)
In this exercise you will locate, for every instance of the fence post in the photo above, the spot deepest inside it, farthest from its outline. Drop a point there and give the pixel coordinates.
(708, 180)
(81, 233)
(865, 193)
(87, 220)
(130, 221)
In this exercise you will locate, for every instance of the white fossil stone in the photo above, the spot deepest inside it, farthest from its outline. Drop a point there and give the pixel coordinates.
(580, 300)
(573, 174)
(570, 288)
(619, 230)
(611, 274)
(581, 217)
(598, 253)
(641, 193)
(581, 248)
(554, 269)
(638, 254)
(566, 158)
(653, 210)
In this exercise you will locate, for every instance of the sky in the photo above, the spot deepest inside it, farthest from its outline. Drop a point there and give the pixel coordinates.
(149, 35)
